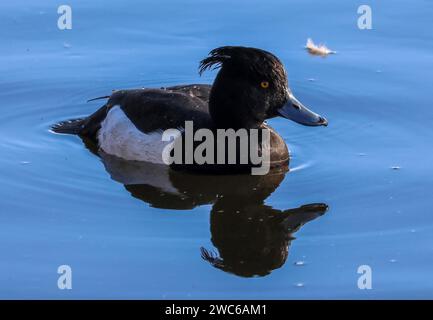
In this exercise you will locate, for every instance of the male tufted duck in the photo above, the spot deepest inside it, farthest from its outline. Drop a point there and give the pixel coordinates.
(250, 87)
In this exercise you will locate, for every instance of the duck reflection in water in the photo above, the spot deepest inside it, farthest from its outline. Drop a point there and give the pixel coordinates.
(252, 238)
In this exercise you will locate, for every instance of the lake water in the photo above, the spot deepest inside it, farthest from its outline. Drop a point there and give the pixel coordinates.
(262, 238)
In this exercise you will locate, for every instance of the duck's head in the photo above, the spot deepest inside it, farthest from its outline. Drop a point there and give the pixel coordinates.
(251, 87)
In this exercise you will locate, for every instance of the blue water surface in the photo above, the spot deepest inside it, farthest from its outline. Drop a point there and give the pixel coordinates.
(372, 165)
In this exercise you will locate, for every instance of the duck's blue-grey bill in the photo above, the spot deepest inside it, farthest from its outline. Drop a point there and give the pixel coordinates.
(296, 111)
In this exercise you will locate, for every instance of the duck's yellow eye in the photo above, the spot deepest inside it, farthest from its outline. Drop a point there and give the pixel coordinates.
(264, 84)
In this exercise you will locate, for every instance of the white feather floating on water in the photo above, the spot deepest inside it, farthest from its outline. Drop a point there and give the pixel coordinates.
(319, 50)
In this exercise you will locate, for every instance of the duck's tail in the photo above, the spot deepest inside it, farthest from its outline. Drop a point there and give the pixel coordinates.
(73, 126)
(83, 126)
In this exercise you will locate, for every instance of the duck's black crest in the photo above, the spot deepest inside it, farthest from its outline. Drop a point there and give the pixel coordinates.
(215, 59)
(212, 258)
(252, 60)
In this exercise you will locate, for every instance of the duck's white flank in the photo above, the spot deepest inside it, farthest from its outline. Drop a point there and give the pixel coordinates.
(118, 136)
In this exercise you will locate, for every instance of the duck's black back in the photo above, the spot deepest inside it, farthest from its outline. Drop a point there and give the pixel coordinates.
(153, 110)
